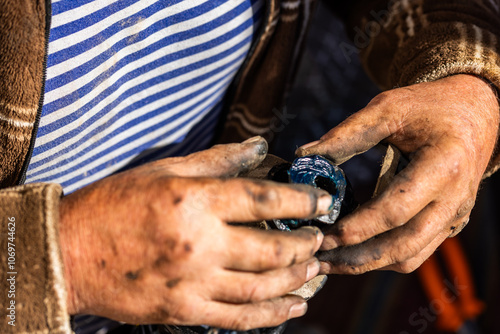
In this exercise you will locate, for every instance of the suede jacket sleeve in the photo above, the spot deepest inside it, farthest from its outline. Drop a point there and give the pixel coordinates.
(405, 42)
(33, 297)
(32, 294)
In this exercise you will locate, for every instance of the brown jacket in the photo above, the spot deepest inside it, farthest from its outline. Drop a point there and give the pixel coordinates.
(400, 43)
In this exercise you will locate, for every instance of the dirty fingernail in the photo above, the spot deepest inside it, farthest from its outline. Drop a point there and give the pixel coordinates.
(311, 144)
(325, 268)
(253, 140)
(297, 310)
(317, 231)
(325, 203)
(262, 148)
(312, 269)
(329, 242)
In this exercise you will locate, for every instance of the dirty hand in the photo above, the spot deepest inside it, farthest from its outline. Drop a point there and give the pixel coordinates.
(448, 129)
(152, 245)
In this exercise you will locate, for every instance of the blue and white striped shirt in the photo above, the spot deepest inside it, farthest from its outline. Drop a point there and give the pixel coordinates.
(131, 80)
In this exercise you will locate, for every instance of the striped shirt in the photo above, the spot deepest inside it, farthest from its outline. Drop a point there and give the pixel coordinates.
(132, 80)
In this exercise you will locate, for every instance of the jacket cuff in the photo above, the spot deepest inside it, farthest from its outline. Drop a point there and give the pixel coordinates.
(34, 295)
(426, 40)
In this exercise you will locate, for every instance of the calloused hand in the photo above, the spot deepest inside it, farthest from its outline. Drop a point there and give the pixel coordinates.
(152, 245)
(448, 129)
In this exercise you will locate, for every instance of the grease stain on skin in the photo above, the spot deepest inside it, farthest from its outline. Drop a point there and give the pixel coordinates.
(262, 148)
(261, 196)
(172, 250)
(172, 283)
(278, 249)
(337, 230)
(170, 244)
(313, 198)
(177, 200)
(160, 315)
(350, 256)
(160, 261)
(114, 249)
(244, 167)
(132, 275)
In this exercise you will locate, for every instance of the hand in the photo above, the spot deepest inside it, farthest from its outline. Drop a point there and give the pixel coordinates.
(152, 245)
(448, 129)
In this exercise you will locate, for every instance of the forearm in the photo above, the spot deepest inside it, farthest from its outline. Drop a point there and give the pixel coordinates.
(32, 272)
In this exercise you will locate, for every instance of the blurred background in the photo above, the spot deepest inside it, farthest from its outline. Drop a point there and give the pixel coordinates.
(459, 285)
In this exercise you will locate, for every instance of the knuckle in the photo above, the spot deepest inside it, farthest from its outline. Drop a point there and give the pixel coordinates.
(456, 162)
(251, 293)
(296, 276)
(271, 254)
(160, 314)
(383, 97)
(392, 97)
(268, 195)
(275, 252)
(465, 208)
(182, 313)
(406, 267)
(241, 323)
(393, 215)
(405, 251)
(345, 237)
(263, 198)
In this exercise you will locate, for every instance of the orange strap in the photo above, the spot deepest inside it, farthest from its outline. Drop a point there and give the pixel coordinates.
(440, 297)
(454, 255)
(453, 301)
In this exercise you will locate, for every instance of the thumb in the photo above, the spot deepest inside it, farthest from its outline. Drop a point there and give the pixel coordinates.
(355, 135)
(226, 160)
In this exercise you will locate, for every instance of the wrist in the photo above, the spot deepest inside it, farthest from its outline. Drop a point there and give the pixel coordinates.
(67, 240)
(487, 95)
(485, 83)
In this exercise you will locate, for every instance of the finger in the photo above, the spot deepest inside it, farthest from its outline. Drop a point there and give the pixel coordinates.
(395, 246)
(355, 135)
(259, 250)
(244, 317)
(411, 190)
(413, 263)
(240, 287)
(242, 200)
(455, 229)
(218, 161)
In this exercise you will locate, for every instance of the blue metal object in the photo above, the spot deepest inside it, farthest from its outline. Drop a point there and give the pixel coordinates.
(320, 173)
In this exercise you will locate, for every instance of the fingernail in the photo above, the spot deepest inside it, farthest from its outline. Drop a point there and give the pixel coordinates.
(312, 269)
(306, 146)
(329, 242)
(262, 148)
(317, 231)
(253, 140)
(297, 310)
(325, 268)
(325, 203)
